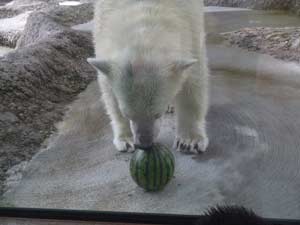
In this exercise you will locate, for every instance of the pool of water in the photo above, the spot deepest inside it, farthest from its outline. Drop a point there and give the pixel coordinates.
(4, 50)
(70, 3)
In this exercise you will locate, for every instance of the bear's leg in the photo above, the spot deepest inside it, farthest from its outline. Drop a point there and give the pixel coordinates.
(191, 105)
(120, 125)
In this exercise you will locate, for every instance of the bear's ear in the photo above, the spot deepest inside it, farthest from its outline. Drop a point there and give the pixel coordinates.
(181, 65)
(100, 65)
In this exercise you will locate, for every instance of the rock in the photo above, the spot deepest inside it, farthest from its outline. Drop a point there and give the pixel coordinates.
(11, 29)
(30, 5)
(41, 24)
(295, 44)
(39, 78)
(8, 117)
(9, 38)
(7, 13)
(4, 2)
(255, 4)
(71, 15)
(282, 43)
(15, 174)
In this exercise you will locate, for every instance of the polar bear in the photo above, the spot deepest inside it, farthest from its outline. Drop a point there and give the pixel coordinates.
(149, 53)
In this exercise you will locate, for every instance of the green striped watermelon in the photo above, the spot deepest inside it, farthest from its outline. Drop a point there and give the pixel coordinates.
(152, 169)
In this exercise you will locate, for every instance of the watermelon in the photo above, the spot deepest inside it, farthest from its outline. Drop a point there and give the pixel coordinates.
(152, 169)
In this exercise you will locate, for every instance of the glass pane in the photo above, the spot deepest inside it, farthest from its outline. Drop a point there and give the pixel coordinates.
(68, 129)
(9, 221)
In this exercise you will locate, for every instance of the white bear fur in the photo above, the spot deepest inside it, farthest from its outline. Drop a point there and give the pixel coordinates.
(163, 32)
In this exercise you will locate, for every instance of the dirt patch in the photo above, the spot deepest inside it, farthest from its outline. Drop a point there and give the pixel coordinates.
(281, 43)
(287, 5)
(39, 79)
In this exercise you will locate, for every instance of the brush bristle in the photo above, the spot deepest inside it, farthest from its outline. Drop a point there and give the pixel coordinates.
(231, 215)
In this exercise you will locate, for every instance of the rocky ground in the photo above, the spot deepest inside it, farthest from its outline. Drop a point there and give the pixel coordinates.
(282, 43)
(12, 28)
(37, 80)
(14, 16)
(290, 5)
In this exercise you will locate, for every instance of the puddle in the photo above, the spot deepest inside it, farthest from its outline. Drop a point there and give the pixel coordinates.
(70, 3)
(16, 23)
(4, 50)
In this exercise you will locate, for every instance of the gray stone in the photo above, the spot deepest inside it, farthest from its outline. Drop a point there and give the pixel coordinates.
(296, 44)
(41, 23)
(281, 43)
(7, 13)
(8, 117)
(11, 29)
(30, 5)
(39, 78)
(9, 38)
(255, 4)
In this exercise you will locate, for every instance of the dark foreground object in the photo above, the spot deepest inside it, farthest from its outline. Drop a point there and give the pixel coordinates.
(135, 218)
(231, 216)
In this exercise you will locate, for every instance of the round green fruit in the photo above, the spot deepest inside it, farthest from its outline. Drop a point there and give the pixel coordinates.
(152, 169)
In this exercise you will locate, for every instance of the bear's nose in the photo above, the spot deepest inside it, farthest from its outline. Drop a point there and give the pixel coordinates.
(143, 141)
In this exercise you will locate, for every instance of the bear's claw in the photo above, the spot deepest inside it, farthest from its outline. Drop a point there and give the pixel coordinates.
(170, 109)
(197, 145)
(124, 144)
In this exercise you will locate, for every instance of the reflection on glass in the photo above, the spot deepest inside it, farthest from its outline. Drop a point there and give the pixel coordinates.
(63, 145)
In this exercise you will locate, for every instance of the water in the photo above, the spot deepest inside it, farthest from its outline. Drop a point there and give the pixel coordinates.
(4, 50)
(70, 3)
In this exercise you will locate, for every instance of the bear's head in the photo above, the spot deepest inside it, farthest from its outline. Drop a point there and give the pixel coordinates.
(143, 87)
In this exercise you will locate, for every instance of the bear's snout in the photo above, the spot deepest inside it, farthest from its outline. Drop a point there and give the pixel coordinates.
(143, 141)
(144, 133)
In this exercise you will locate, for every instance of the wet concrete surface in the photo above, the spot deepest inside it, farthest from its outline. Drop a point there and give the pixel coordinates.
(253, 157)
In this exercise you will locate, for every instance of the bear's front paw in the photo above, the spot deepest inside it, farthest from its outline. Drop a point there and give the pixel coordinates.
(124, 144)
(196, 145)
(170, 109)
